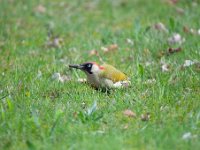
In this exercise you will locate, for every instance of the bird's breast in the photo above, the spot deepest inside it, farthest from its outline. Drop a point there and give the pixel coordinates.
(97, 81)
(93, 79)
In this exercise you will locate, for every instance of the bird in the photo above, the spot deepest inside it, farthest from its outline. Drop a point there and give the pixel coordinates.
(103, 76)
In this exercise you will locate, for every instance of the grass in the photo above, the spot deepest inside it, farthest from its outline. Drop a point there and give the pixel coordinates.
(37, 112)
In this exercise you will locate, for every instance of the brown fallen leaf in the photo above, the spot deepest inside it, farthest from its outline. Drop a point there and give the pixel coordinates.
(93, 53)
(190, 30)
(110, 48)
(180, 10)
(40, 9)
(173, 50)
(129, 113)
(173, 1)
(197, 66)
(75, 114)
(168, 52)
(105, 49)
(145, 117)
(55, 42)
(160, 27)
(161, 53)
(186, 29)
(113, 47)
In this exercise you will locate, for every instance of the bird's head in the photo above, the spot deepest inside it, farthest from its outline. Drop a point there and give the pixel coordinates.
(88, 67)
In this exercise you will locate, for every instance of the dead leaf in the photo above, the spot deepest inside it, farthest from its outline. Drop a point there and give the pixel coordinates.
(40, 9)
(165, 68)
(60, 78)
(110, 48)
(169, 51)
(130, 41)
(175, 39)
(161, 53)
(105, 49)
(75, 114)
(113, 47)
(55, 42)
(173, 1)
(180, 10)
(93, 53)
(145, 117)
(160, 27)
(186, 29)
(188, 136)
(173, 50)
(129, 113)
(188, 63)
(190, 30)
(197, 68)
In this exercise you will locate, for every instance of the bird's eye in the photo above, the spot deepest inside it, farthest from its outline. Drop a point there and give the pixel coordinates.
(89, 65)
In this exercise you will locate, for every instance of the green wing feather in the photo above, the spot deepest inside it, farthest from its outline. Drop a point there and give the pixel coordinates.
(112, 73)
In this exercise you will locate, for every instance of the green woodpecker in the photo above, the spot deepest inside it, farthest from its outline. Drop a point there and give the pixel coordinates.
(103, 76)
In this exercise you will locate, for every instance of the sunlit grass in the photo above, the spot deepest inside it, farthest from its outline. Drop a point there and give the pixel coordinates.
(37, 112)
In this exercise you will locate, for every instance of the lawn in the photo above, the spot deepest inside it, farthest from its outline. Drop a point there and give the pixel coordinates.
(155, 42)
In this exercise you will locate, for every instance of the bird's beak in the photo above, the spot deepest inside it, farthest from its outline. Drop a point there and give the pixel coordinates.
(76, 66)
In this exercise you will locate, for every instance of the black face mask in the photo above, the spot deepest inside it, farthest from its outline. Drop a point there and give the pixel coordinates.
(87, 67)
